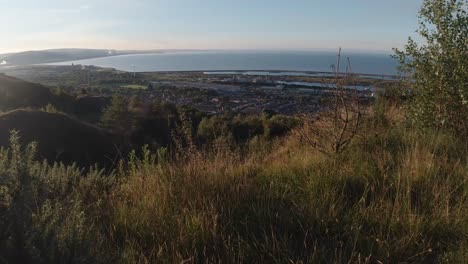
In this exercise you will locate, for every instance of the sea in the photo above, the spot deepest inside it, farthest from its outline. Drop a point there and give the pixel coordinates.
(288, 61)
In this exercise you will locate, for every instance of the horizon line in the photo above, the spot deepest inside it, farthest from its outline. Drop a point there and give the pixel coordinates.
(353, 50)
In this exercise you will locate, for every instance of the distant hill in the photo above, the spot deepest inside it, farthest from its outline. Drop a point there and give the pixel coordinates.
(60, 137)
(16, 93)
(61, 55)
(55, 55)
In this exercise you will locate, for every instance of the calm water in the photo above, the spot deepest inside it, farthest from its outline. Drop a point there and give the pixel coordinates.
(328, 85)
(243, 61)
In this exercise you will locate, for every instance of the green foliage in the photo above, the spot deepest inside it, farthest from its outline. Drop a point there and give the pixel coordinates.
(213, 127)
(245, 128)
(117, 117)
(279, 125)
(437, 69)
(156, 126)
(242, 128)
(50, 108)
(47, 212)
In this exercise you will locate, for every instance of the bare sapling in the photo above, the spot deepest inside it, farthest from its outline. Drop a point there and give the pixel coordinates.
(338, 121)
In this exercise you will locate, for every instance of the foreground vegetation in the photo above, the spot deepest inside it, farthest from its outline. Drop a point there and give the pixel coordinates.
(395, 195)
(385, 182)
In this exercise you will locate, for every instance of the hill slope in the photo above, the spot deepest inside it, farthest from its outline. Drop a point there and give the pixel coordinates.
(16, 93)
(53, 55)
(61, 137)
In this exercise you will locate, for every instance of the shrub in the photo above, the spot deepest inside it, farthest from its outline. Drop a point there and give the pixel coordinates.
(117, 117)
(47, 212)
(437, 70)
(50, 108)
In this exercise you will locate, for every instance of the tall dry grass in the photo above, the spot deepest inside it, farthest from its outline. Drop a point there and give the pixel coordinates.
(394, 195)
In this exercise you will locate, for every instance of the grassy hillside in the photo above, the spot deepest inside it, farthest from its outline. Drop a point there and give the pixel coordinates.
(395, 195)
(60, 137)
(16, 93)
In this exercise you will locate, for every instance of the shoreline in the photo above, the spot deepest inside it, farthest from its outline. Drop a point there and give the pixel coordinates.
(252, 72)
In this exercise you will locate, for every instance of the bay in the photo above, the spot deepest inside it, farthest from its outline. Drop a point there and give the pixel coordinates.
(369, 63)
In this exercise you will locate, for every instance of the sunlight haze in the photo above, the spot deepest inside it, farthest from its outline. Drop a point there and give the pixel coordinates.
(367, 25)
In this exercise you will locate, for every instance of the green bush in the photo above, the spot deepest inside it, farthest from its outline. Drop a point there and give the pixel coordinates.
(117, 117)
(278, 125)
(48, 212)
(437, 70)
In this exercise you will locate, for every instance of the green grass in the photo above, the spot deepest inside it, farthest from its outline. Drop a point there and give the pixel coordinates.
(396, 195)
(134, 86)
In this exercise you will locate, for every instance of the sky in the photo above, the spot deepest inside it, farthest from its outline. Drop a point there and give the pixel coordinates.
(362, 25)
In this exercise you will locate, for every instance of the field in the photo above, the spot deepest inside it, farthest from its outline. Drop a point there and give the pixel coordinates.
(134, 86)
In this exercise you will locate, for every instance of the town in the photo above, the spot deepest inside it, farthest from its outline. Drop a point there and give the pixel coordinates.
(252, 92)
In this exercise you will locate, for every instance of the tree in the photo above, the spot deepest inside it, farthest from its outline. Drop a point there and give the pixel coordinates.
(437, 71)
(339, 120)
(117, 117)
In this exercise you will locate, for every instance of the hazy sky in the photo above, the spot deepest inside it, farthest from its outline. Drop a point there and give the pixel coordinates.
(206, 24)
